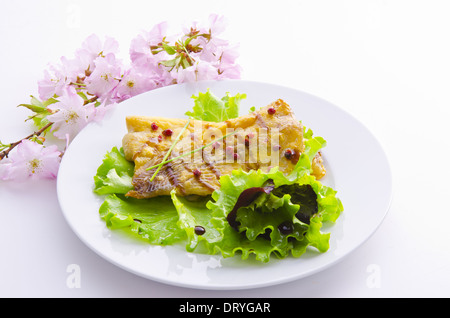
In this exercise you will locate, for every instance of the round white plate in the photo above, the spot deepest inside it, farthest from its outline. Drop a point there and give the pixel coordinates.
(357, 168)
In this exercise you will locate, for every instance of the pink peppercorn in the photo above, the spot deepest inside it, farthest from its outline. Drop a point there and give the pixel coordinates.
(276, 147)
(197, 172)
(167, 132)
(271, 111)
(154, 126)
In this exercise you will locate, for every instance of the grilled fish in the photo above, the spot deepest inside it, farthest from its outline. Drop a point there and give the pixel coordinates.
(260, 140)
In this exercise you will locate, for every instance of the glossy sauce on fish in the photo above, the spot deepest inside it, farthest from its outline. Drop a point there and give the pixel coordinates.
(269, 137)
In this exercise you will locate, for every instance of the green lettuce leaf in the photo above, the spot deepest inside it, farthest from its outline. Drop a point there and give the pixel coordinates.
(208, 107)
(115, 173)
(300, 194)
(312, 144)
(265, 215)
(154, 220)
(191, 215)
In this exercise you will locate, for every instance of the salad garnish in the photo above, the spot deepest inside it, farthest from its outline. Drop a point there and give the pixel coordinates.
(270, 212)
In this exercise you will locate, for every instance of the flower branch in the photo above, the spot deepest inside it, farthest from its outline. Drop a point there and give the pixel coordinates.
(83, 89)
(11, 146)
(6, 148)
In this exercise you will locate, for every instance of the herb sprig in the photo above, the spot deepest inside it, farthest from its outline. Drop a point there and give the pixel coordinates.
(170, 149)
(188, 153)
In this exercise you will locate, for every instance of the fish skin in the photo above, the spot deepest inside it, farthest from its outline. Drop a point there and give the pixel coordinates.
(147, 147)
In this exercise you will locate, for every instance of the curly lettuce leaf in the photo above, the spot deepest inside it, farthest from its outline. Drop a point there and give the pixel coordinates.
(115, 173)
(266, 214)
(208, 107)
(154, 220)
(191, 215)
(300, 194)
(312, 143)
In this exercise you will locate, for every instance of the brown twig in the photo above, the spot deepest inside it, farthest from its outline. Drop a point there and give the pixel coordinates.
(5, 153)
(91, 100)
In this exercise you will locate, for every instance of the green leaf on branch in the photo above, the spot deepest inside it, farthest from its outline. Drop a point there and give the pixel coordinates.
(169, 63)
(37, 106)
(82, 95)
(33, 108)
(4, 146)
(169, 49)
(40, 110)
(50, 101)
(40, 120)
(185, 63)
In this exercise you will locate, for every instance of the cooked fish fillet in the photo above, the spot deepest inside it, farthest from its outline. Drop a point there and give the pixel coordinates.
(262, 139)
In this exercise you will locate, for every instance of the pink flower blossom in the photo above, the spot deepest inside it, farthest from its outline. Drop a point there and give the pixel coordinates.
(133, 83)
(100, 111)
(70, 115)
(105, 77)
(55, 81)
(228, 68)
(230, 72)
(217, 24)
(145, 59)
(140, 48)
(30, 159)
(228, 55)
(213, 50)
(212, 46)
(92, 48)
(201, 70)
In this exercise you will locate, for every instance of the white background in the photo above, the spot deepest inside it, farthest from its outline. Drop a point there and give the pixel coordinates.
(385, 62)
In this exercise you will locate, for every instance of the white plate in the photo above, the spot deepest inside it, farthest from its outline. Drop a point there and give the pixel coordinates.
(357, 169)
